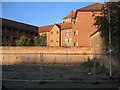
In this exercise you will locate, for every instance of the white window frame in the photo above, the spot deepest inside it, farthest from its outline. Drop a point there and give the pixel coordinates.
(57, 40)
(76, 32)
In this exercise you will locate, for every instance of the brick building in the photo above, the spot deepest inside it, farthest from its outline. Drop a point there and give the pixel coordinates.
(80, 27)
(83, 27)
(74, 30)
(16, 30)
(57, 34)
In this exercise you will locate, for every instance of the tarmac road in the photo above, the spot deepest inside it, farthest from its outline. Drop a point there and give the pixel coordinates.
(59, 85)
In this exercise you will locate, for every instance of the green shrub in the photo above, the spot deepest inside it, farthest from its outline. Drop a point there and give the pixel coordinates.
(39, 41)
(90, 64)
(22, 41)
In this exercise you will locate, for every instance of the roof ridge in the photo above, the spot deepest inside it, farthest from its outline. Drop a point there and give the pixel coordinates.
(71, 14)
(94, 6)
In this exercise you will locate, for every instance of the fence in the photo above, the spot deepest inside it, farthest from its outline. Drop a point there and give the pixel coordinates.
(82, 67)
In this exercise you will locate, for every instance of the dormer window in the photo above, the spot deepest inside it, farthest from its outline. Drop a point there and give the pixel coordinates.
(63, 21)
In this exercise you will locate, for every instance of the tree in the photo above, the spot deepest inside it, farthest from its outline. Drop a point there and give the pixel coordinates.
(22, 41)
(4, 42)
(36, 41)
(28, 42)
(10, 40)
(103, 25)
(40, 41)
(43, 40)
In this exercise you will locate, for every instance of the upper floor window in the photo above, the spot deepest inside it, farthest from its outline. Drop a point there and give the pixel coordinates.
(76, 19)
(51, 40)
(57, 40)
(67, 33)
(36, 34)
(76, 32)
(51, 32)
(63, 21)
(57, 32)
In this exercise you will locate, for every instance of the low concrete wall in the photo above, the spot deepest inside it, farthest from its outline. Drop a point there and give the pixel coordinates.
(37, 55)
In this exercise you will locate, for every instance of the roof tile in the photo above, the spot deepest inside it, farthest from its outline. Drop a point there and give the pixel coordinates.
(92, 7)
(62, 26)
(70, 15)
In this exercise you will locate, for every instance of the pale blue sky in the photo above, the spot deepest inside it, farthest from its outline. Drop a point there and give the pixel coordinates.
(39, 13)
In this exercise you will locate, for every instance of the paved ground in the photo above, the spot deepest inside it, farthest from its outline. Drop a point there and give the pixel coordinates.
(38, 85)
(48, 72)
(56, 76)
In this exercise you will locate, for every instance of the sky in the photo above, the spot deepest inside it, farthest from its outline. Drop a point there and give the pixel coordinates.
(39, 13)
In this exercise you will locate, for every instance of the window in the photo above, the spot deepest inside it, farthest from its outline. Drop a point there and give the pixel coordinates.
(76, 43)
(26, 32)
(51, 32)
(57, 32)
(51, 40)
(33, 34)
(94, 14)
(67, 33)
(4, 39)
(76, 32)
(63, 21)
(76, 19)
(57, 40)
(68, 41)
(36, 34)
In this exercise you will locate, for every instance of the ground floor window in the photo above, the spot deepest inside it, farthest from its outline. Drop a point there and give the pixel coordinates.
(68, 41)
(76, 44)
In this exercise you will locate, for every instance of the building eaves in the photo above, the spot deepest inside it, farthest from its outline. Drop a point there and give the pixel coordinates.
(94, 33)
(62, 26)
(18, 25)
(90, 8)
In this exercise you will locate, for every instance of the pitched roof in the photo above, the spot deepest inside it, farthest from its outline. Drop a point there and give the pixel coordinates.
(94, 33)
(45, 28)
(18, 25)
(62, 26)
(70, 15)
(92, 7)
(65, 26)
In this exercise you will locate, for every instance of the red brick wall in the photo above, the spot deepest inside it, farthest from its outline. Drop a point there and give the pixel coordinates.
(63, 37)
(32, 54)
(84, 24)
(48, 38)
